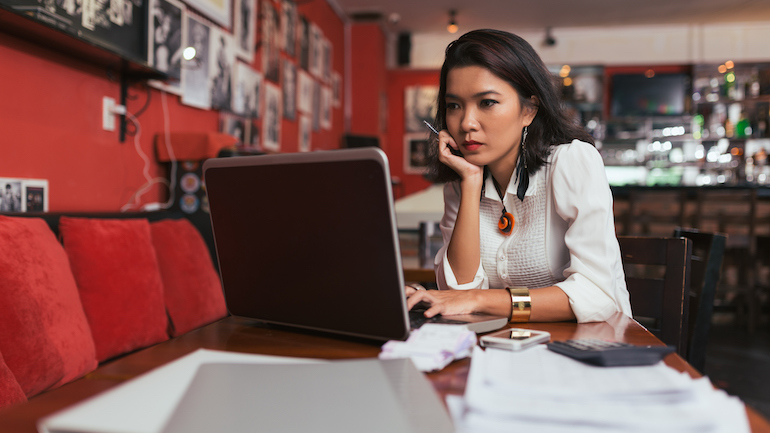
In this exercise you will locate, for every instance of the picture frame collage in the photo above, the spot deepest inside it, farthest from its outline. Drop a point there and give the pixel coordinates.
(23, 195)
(294, 79)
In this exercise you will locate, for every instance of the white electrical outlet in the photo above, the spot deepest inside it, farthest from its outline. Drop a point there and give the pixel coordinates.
(108, 116)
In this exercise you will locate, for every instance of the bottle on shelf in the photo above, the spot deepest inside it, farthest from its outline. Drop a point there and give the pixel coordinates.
(752, 85)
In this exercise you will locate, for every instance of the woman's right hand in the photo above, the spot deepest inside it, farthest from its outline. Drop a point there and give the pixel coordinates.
(457, 163)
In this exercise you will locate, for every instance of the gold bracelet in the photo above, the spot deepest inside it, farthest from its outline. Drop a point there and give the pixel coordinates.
(521, 304)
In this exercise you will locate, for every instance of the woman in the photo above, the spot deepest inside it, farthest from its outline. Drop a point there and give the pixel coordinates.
(528, 225)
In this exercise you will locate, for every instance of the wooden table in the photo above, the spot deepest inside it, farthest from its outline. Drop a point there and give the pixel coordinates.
(244, 335)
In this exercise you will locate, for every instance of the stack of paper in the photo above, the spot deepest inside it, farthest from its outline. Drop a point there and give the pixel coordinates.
(537, 390)
(433, 346)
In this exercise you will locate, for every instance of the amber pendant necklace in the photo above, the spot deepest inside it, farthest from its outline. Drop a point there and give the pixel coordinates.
(506, 222)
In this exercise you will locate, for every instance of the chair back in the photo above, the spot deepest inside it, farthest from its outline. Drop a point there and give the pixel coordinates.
(658, 279)
(707, 252)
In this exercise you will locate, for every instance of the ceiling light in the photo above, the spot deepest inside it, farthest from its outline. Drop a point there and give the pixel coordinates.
(452, 26)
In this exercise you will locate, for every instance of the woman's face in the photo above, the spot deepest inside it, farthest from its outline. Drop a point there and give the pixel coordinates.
(485, 117)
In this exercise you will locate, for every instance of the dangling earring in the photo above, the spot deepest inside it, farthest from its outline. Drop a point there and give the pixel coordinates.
(521, 168)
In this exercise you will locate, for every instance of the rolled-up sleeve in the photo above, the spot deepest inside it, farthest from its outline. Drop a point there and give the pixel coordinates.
(581, 195)
(445, 277)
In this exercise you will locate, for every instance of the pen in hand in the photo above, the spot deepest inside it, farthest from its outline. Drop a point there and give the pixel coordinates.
(430, 126)
(454, 151)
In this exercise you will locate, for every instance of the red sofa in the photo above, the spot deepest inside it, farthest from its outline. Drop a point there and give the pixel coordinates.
(79, 290)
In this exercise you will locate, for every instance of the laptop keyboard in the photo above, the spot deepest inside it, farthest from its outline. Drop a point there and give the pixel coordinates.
(417, 319)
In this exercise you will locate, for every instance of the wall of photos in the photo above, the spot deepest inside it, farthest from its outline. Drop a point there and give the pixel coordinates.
(268, 72)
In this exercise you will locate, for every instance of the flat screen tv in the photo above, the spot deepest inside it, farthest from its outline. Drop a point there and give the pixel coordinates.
(659, 95)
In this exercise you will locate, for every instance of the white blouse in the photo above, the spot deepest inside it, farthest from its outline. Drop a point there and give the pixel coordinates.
(564, 235)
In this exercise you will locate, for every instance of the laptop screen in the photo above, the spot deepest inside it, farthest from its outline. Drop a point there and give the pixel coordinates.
(309, 240)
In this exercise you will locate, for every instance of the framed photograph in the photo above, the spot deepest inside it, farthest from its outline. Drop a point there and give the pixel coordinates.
(215, 10)
(289, 27)
(233, 125)
(326, 63)
(316, 110)
(253, 136)
(305, 132)
(326, 108)
(222, 48)
(246, 91)
(195, 81)
(316, 50)
(305, 93)
(245, 29)
(11, 195)
(34, 195)
(303, 34)
(271, 121)
(336, 89)
(289, 90)
(416, 153)
(419, 105)
(271, 37)
(167, 37)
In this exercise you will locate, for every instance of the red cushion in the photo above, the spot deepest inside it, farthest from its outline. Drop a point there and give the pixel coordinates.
(44, 336)
(10, 390)
(192, 288)
(117, 274)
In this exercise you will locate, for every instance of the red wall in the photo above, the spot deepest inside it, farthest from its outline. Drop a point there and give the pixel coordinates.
(398, 81)
(368, 80)
(51, 124)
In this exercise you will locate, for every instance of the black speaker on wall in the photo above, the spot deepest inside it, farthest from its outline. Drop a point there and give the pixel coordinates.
(404, 48)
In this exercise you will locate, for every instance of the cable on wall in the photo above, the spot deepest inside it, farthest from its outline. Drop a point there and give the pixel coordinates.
(134, 201)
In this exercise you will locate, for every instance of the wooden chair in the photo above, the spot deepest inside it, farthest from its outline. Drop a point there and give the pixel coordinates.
(658, 279)
(707, 253)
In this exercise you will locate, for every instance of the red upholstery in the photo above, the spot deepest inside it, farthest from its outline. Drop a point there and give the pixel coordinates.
(44, 336)
(10, 390)
(192, 289)
(117, 274)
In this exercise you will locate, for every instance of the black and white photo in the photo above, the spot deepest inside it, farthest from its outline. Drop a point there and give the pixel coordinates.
(326, 108)
(222, 47)
(271, 34)
(305, 133)
(305, 92)
(247, 83)
(167, 38)
(271, 121)
(289, 27)
(289, 90)
(10, 195)
(195, 84)
(303, 34)
(245, 29)
(233, 125)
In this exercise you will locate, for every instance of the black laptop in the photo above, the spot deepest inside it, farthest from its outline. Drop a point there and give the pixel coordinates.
(309, 240)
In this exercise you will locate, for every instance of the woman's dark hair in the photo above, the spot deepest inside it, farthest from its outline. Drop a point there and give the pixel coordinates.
(512, 59)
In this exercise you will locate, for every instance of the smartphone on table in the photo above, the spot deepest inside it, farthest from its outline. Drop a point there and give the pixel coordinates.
(515, 338)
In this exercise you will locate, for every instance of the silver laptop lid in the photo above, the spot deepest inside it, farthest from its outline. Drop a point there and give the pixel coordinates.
(370, 395)
(310, 240)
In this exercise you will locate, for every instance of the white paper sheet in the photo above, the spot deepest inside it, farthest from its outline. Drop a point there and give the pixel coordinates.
(539, 390)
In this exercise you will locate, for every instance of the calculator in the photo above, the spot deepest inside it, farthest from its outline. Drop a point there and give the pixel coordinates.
(610, 354)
